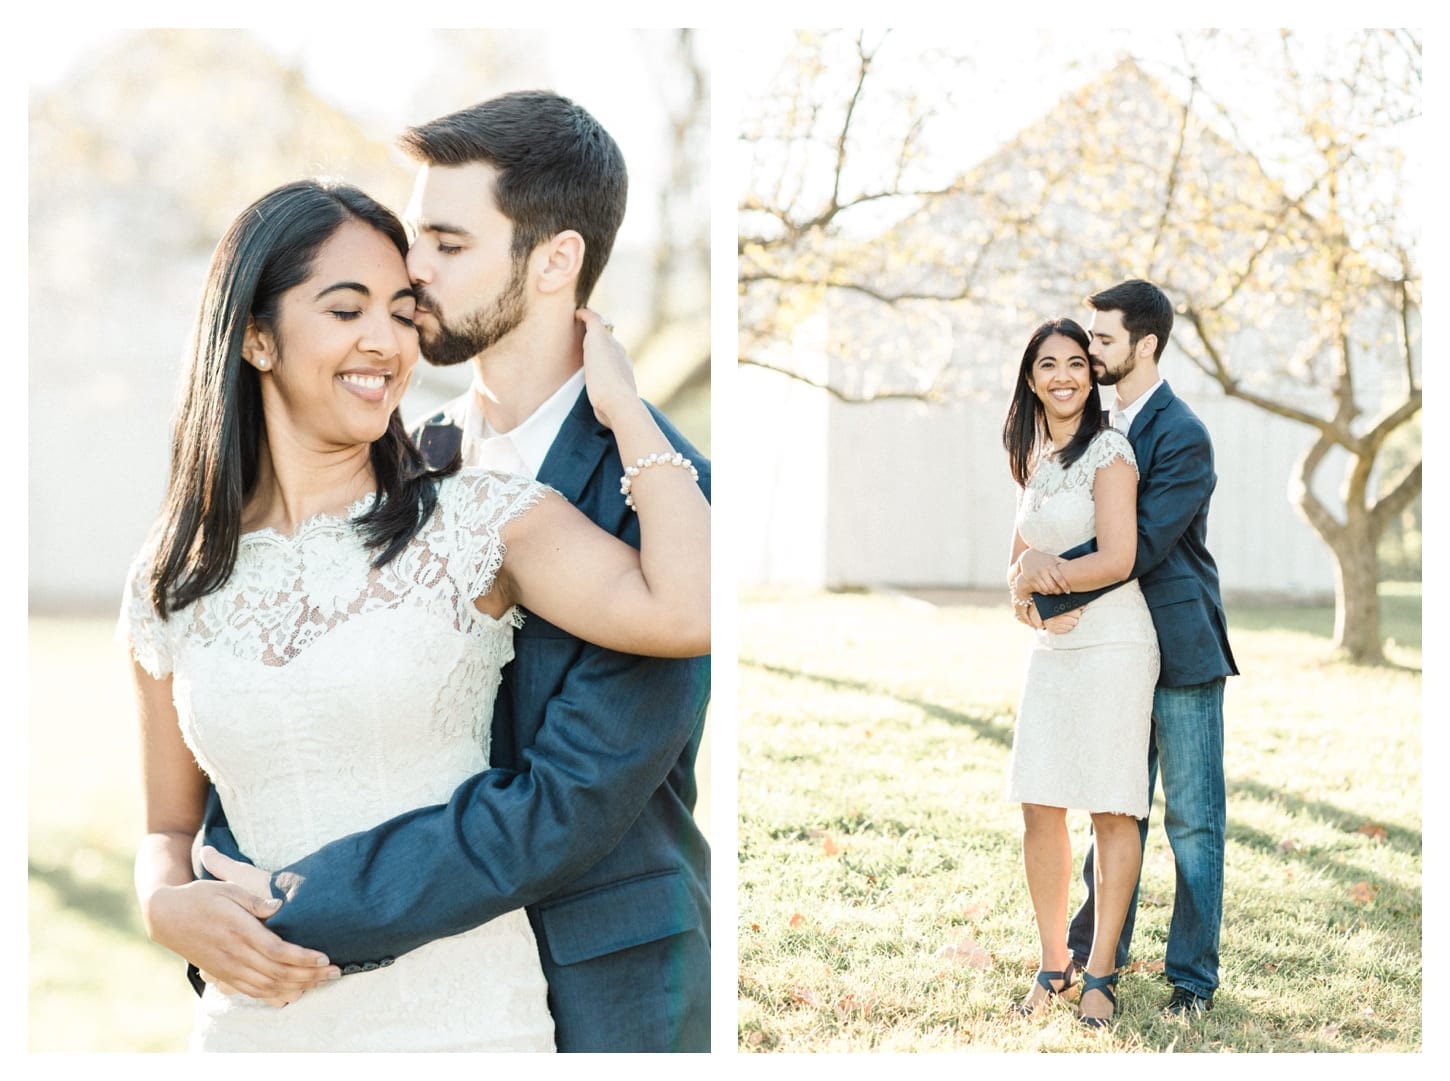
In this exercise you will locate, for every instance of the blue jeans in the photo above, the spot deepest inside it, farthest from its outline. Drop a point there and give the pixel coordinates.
(1186, 747)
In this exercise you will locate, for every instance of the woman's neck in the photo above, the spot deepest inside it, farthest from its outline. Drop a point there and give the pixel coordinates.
(295, 484)
(1062, 431)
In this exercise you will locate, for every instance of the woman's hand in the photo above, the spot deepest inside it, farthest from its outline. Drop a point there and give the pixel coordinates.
(653, 601)
(218, 927)
(608, 372)
(1042, 574)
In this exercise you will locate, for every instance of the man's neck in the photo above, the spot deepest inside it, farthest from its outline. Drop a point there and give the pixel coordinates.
(1141, 380)
(519, 373)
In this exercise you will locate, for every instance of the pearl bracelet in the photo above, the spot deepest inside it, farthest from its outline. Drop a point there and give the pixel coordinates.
(626, 482)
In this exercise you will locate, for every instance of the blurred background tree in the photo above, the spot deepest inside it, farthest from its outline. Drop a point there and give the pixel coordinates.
(1265, 180)
(151, 141)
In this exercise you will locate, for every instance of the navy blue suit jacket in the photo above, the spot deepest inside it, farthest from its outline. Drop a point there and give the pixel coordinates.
(1173, 567)
(586, 819)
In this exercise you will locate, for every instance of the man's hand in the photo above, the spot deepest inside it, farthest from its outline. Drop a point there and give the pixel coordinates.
(1063, 622)
(1040, 570)
(217, 926)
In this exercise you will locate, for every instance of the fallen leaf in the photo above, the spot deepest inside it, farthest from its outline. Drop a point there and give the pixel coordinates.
(756, 1038)
(1271, 966)
(1288, 845)
(1375, 833)
(797, 920)
(1362, 893)
(965, 951)
(804, 995)
(755, 927)
(829, 847)
(1145, 966)
(849, 1005)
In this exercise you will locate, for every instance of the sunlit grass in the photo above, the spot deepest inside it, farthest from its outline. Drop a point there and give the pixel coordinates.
(882, 904)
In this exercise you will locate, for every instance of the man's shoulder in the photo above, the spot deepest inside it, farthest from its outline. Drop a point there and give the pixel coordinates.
(1177, 417)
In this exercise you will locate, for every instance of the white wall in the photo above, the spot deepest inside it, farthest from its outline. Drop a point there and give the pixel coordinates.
(901, 493)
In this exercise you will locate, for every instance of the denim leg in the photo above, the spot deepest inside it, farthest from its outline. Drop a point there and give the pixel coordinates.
(1080, 927)
(1188, 731)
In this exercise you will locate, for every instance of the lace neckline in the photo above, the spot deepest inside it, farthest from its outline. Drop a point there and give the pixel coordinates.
(323, 520)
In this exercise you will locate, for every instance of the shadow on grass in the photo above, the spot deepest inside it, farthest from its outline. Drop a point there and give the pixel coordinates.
(1401, 839)
(985, 727)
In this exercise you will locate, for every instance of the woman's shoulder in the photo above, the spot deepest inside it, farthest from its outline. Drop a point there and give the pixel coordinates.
(1107, 447)
(479, 496)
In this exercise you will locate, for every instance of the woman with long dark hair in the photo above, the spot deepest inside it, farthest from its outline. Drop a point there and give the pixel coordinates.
(1081, 738)
(319, 621)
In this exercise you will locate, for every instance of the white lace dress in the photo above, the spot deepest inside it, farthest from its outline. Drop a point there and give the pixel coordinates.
(1081, 739)
(324, 696)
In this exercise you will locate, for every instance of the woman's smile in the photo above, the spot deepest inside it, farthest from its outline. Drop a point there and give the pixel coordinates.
(369, 385)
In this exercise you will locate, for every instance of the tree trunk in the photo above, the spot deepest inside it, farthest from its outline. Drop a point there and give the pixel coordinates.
(1354, 544)
(1356, 590)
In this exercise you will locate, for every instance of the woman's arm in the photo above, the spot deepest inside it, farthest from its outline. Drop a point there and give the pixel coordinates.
(1022, 606)
(214, 925)
(1021, 597)
(1115, 521)
(652, 602)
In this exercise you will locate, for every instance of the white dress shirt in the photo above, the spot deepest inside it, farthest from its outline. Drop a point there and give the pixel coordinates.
(1121, 417)
(524, 447)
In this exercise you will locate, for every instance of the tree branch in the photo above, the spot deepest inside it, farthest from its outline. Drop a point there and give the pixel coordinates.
(1301, 491)
(1218, 371)
(931, 394)
(1390, 505)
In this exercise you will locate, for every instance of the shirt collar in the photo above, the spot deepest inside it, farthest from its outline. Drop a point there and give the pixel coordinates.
(1123, 417)
(533, 436)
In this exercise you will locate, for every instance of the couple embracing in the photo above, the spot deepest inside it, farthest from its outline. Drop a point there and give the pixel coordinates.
(1126, 675)
(428, 704)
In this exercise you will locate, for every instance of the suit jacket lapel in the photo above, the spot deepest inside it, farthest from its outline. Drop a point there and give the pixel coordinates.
(574, 456)
(1161, 397)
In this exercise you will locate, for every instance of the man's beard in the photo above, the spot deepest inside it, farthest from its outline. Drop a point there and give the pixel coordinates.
(1110, 376)
(479, 330)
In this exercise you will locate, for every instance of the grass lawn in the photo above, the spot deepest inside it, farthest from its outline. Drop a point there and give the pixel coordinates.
(882, 902)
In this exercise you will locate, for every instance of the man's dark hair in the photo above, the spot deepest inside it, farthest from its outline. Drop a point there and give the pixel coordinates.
(557, 169)
(1145, 308)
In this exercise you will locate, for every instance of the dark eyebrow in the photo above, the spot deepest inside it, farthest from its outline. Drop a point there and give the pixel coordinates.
(358, 287)
(355, 287)
(443, 227)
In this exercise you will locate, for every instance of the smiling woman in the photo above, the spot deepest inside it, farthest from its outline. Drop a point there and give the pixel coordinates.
(320, 624)
(236, 415)
(333, 357)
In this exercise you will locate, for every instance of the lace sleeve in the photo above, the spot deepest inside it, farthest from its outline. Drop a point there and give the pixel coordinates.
(1106, 448)
(480, 504)
(140, 627)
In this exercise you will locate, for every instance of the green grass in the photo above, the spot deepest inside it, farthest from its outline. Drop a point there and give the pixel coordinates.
(882, 902)
(96, 982)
